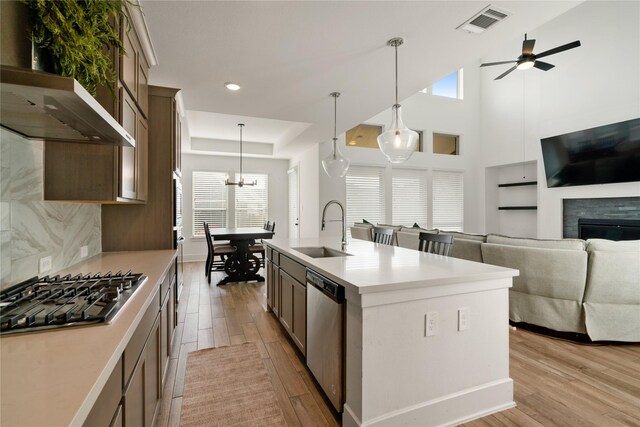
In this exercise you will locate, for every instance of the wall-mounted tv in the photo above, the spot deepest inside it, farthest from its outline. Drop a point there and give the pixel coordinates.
(601, 155)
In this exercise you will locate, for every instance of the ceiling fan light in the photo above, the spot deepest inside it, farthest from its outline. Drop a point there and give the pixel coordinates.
(525, 65)
(232, 86)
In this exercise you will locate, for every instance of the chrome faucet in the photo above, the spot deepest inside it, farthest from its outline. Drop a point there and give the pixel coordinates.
(343, 220)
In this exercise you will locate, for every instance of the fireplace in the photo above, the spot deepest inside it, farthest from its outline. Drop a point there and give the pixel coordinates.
(610, 229)
(618, 210)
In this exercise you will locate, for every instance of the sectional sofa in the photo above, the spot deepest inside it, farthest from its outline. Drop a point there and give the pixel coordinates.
(588, 287)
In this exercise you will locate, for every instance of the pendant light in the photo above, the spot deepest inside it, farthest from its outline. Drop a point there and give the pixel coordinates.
(240, 182)
(398, 142)
(335, 164)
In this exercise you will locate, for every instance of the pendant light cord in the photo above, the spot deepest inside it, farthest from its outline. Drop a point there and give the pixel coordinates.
(241, 151)
(396, 49)
(523, 118)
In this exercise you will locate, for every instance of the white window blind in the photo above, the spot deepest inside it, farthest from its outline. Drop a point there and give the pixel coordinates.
(252, 201)
(448, 200)
(209, 201)
(365, 195)
(409, 194)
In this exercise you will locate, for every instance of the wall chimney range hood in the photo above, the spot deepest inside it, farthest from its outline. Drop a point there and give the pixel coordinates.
(47, 106)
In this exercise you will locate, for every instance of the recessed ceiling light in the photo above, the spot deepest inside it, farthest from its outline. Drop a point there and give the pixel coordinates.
(232, 86)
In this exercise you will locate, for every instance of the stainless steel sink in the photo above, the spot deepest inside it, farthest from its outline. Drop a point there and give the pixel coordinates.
(320, 252)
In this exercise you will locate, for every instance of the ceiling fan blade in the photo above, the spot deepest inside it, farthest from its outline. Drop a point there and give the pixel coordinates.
(506, 72)
(544, 66)
(497, 63)
(559, 49)
(527, 46)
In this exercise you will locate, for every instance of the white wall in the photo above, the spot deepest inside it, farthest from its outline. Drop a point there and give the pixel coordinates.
(593, 85)
(309, 168)
(195, 249)
(430, 114)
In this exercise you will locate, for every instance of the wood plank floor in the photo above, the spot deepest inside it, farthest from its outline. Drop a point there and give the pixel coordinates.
(557, 383)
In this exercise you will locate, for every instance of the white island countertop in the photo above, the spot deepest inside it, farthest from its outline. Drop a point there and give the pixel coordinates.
(53, 378)
(374, 267)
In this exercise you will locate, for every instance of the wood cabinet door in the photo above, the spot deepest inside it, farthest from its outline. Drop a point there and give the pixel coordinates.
(127, 161)
(134, 408)
(299, 327)
(286, 300)
(129, 59)
(276, 289)
(269, 285)
(143, 85)
(164, 340)
(152, 374)
(142, 160)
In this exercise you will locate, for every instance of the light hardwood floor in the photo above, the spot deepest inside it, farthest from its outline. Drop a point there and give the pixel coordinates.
(557, 383)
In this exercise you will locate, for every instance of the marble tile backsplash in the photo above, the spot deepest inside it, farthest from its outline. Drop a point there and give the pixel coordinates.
(31, 228)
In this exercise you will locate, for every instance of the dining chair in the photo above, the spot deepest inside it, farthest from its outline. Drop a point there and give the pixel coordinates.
(383, 235)
(439, 244)
(222, 251)
(258, 248)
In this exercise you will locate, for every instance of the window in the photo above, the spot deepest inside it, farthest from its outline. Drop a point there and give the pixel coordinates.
(409, 194)
(363, 136)
(209, 201)
(449, 86)
(446, 144)
(252, 201)
(365, 195)
(448, 200)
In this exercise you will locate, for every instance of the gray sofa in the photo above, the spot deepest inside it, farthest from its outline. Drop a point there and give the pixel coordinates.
(569, 285)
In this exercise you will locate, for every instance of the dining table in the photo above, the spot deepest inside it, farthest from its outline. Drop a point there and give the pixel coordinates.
(242, 265)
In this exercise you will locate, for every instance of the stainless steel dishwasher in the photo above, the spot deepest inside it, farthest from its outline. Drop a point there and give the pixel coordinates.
(325, 332)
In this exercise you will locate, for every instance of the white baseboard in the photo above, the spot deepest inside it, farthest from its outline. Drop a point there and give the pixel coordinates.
(450, 410)
(195, 258)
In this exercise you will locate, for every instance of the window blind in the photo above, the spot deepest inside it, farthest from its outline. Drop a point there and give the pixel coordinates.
(365, 195)
(209, 201)
(252, 201)
(448, 200)
(409, 194)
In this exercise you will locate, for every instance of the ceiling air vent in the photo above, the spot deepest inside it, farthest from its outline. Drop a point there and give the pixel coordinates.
(479, 22)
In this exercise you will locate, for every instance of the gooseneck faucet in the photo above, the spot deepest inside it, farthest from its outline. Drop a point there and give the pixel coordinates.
(343, 220)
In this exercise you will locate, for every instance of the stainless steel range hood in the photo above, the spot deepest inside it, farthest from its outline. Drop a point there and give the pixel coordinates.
(47, 106)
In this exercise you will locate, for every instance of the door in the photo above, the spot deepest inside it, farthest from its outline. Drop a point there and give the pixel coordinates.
(294, 203)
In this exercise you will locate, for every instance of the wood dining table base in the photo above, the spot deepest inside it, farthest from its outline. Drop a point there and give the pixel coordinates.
(242, 265)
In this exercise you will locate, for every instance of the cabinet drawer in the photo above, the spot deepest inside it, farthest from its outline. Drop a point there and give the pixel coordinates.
(295, 269)
(107, 403)
(166, 283)
(139, 338)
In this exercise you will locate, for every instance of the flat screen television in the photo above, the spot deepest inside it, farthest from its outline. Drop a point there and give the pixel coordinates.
(601, 155)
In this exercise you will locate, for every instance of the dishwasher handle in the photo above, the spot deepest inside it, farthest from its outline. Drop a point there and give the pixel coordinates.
(329, 288)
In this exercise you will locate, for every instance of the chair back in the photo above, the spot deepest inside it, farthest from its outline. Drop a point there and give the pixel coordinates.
(383, 235)
(439, 244)
(207, 235)
(267, 225)
(272, 227)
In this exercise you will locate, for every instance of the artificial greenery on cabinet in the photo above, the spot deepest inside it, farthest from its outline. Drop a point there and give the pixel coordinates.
(74, 35)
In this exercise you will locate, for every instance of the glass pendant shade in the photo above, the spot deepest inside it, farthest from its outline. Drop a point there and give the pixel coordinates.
(398, 142)
(335, 164)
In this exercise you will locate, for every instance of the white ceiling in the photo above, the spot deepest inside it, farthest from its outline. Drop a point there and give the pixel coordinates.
(288, 57)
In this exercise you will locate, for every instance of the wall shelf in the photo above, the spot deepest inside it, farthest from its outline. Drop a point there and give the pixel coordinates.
(517, 208)
(518, 184)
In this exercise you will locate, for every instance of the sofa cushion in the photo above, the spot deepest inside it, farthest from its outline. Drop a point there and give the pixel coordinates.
(362, 233)
(467, 236)
(363, 224)
(569, 244)
(418, 230)
(471, 250)
(410, 237)
(613, 246)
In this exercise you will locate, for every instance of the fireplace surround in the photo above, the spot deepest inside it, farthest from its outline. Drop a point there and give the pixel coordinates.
(617, 209)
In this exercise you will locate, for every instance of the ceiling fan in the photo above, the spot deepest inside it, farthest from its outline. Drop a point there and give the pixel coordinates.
(528, 59)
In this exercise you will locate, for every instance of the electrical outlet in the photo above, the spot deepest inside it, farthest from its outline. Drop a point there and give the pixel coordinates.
(431, 324)
(464, 319)
(45, 264)
(84, 251)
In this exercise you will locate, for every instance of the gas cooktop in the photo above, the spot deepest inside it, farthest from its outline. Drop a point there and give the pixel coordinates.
(62, 301)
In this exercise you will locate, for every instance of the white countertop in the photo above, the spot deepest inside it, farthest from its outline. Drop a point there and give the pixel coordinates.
(53, 378)
(378, 268)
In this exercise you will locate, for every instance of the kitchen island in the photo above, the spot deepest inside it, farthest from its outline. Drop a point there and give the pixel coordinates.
(54, 377)
(401, 369)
